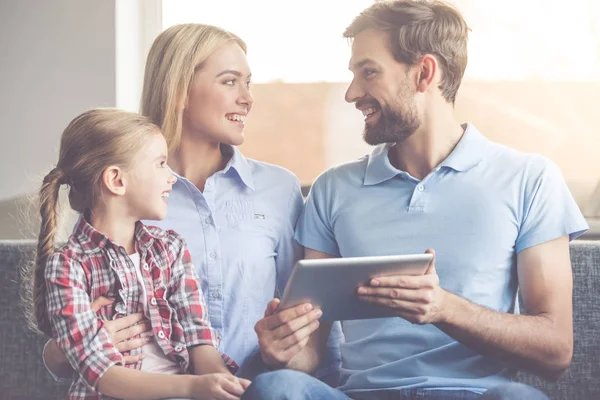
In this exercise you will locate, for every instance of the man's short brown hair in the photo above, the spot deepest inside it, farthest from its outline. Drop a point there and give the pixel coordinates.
(419, 27)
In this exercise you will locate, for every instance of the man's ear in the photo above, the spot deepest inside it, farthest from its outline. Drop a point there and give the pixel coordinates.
(113, 180)
(426, 73)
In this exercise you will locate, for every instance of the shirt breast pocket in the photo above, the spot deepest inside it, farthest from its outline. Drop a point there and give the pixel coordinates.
(251, 228)
(238, 213)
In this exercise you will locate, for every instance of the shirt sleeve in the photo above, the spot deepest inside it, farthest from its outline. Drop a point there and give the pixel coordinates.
(549, 210)
(288, 250)
(78, 331)
(187, 301)
(314, 229)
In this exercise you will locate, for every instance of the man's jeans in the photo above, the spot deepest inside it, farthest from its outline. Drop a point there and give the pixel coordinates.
(293, 385)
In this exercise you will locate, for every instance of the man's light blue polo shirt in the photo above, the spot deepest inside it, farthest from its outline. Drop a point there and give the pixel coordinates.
(478, 209)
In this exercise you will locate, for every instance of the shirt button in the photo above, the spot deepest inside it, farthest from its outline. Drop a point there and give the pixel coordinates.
(161, 334)
(178, 348)
(208, 221)
(153, 301)
(216, 294)
(213, 255)
(146, 267)
(420, 188)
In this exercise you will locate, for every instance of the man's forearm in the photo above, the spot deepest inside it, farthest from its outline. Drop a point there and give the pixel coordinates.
(527, 342)
(56, 360)
(206, 359)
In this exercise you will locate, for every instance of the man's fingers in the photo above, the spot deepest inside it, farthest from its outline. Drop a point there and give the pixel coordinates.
(294, 325)
(403, 281)
(100, 302)
(282, 317)
(299, 335)
(131, 344)
(128, 360)
(400, 305)
(411, 295)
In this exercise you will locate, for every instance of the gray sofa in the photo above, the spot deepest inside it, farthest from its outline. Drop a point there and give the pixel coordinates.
(22, 375)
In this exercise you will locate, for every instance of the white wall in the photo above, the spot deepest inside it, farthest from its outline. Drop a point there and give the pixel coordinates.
(57, 59)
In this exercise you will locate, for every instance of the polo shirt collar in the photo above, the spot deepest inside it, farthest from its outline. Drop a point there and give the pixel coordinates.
(468, 152)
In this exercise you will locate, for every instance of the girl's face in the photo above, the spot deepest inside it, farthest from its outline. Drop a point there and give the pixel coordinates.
(219, 98)
(149, 182)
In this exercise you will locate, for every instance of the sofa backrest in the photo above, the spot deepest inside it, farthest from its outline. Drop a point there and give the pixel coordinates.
(582, 380)
(23, 376)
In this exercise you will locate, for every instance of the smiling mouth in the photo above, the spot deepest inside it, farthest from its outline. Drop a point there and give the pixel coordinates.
(236, 118)
(370, 113)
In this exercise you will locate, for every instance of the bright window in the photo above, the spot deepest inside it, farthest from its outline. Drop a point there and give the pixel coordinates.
(533, 80)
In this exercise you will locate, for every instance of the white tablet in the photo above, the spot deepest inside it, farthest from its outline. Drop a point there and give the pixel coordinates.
(330, 284)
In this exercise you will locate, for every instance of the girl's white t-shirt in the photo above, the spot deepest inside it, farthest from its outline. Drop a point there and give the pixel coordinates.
(154, 359)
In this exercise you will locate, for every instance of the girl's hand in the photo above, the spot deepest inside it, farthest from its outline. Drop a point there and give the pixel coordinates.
(125, 333)
(217, 386)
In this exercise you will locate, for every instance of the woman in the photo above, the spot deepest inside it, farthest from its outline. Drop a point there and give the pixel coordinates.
(237, 215)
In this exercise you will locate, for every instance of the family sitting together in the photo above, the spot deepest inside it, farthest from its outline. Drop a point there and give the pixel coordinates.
(168, 286)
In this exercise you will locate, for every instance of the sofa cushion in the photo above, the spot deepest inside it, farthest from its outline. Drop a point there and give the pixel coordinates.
(582, 380)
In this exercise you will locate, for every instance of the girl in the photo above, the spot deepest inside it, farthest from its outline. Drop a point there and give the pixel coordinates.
(237, 215)
(115, 165)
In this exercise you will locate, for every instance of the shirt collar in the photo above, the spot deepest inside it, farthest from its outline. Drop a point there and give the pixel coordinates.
(92, 240)
(239, 164)
(236, 161)
(468, 152)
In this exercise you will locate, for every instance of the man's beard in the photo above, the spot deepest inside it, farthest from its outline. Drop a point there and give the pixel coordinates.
(392, 126)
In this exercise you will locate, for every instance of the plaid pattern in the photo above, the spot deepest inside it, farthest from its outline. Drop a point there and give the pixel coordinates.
(91, 265)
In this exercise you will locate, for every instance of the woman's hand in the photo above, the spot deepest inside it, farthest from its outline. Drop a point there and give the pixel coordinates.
(127, 333)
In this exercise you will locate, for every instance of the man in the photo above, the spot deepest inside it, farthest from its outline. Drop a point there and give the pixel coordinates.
(496, 220)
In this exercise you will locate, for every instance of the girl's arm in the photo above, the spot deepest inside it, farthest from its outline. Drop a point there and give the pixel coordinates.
(121, 382)
(206, 360)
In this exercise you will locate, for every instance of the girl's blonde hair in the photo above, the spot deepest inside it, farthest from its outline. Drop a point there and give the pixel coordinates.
(92, 142)
(176, 54)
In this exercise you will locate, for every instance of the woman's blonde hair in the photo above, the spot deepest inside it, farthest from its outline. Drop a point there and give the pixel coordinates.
(92, 142)
(176, 54)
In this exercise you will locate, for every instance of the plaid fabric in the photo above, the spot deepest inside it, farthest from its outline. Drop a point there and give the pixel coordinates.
(91, 265)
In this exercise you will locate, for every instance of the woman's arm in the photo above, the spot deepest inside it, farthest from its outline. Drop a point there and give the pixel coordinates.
(123, 332)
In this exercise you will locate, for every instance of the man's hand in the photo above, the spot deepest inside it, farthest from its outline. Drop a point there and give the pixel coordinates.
(418, 299)
(126, 333)
(283, 334)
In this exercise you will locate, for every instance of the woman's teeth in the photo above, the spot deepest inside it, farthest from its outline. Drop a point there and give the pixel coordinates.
(237, 117)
